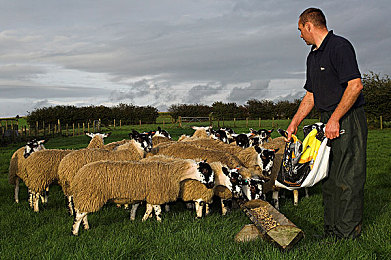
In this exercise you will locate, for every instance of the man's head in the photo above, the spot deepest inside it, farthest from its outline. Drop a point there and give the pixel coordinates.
(310, 22)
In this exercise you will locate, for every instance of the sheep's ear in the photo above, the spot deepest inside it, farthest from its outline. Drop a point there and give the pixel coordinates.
(270, 131)
(135, 132)
(130, 136)
(225, 171)
(108, 134)
(89, 134)
(159, 128)
(43, 141)
(276, 150)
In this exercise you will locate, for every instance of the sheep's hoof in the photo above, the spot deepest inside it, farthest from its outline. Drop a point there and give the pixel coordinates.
(73, 234)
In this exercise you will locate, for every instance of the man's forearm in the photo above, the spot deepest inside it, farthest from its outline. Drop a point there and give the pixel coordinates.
(348, 99)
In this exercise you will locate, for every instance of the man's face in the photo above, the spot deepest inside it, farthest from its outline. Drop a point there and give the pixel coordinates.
(305, 33)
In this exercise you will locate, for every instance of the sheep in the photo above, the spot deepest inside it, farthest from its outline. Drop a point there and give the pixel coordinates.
(249, 157)
(235, 183)
(128, 181)
(97, 140)
(15, 172)
(77, 159)
(188, 151)
(41, 169)
(191, 190)
(156, 140)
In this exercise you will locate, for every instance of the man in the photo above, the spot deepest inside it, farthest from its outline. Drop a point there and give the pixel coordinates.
(334, 87)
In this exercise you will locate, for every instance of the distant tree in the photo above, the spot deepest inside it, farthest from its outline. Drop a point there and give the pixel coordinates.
(377, 94)
(261, 108)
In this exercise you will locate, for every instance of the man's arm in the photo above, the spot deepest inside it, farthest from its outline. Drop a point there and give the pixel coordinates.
(306, 105)
(349, 97)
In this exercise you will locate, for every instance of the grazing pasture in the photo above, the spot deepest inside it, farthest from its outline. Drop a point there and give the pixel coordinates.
(25, 234)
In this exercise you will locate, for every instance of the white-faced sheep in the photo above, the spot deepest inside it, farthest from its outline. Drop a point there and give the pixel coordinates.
(97, 140)
(41, 169)
(16, 172)
(155, 183)
(74, 161)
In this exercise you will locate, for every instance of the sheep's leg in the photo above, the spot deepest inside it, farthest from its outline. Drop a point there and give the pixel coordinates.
(17, 190)
(148, 212)
(207, 209)
(224, 208)
(133, 211)
(167, 207)
(85, 223)
(31, 198)
(36, 197)
(76, 222)
(307, 195)
(126, 206)
(45, 199)
(71, 206)
(199, 205)
(189, 205)
(295, 197)
(275, 199)
(158, 212)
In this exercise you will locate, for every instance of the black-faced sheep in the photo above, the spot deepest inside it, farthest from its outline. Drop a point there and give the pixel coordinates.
(128, 182)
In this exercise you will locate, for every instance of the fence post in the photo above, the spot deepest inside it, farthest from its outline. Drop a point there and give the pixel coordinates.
(84, 128)
(180, 121)
(49, 130)
(246, 122)
(120, 123)
(6, 124)
(259, 125)
(163, 123)
(36, 128)
(234, 121)
(218, 123)
(88, 127)
(140, 122)
(66, 129)
(381, 122)
(78, 128)
(29, 130)
(273, 122)
(114, 123)
(59, 126)
(73, 129)
(43, 125)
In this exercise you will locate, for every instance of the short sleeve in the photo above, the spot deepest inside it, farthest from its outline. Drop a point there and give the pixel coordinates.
(345, 63)
(308, 83)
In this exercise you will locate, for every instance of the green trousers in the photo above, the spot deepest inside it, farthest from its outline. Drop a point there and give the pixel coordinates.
(343, 189)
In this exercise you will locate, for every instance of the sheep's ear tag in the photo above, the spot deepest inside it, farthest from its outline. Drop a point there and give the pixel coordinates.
(245, 181)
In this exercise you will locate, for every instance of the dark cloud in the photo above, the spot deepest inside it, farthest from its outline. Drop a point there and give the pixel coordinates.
(197, 94)
(170, 51)
(256, 90)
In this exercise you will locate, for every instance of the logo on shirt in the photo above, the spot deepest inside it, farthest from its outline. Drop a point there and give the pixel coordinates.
(322, 68)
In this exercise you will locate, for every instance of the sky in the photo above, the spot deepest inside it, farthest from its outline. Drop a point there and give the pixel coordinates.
(166, 52)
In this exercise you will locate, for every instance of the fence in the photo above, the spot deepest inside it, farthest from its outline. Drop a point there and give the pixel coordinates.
(12, 132)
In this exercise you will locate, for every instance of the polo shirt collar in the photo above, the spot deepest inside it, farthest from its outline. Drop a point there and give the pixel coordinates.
(324, 42)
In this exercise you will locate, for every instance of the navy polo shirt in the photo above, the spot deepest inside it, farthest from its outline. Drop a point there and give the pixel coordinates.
(329, 68)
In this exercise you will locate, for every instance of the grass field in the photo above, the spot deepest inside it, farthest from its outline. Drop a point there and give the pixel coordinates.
(47, 234)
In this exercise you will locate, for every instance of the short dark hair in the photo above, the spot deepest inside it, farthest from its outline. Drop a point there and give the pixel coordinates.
(313, 15)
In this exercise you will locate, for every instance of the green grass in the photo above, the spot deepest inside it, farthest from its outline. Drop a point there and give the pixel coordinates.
(46, 235)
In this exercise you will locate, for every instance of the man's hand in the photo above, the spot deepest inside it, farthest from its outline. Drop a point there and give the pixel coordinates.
(292, 129)
(332, 129)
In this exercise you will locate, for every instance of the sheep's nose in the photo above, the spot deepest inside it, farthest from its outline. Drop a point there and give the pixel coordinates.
(210, 185)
